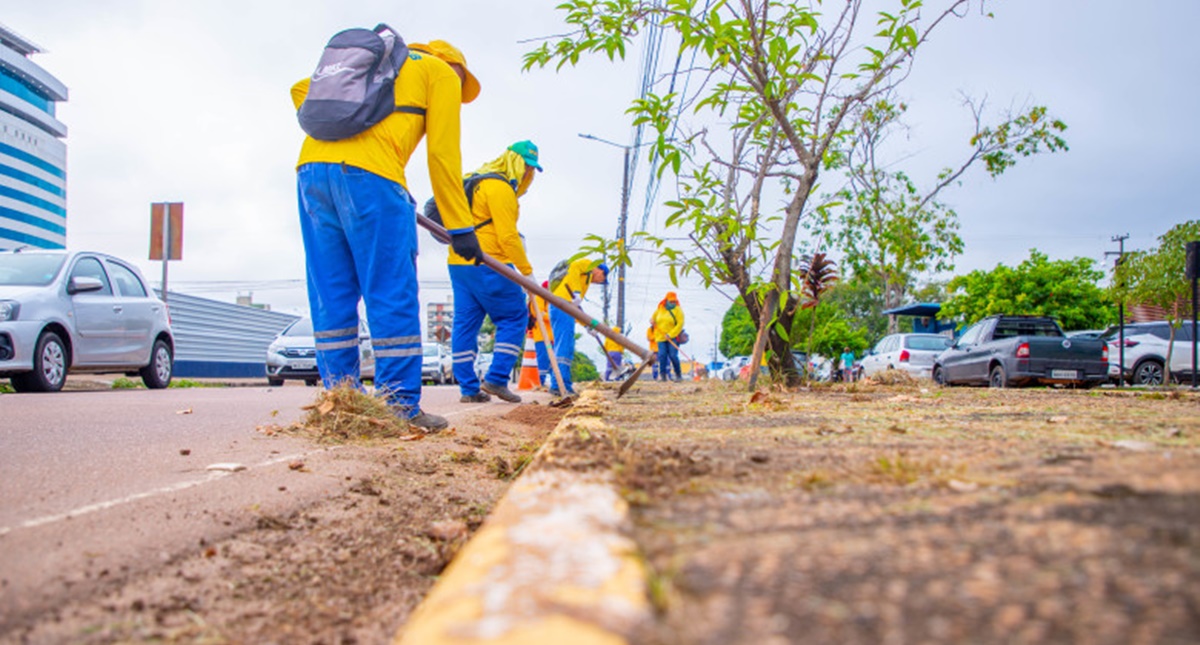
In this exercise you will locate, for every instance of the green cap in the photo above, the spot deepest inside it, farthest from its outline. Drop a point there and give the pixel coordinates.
(528, 152)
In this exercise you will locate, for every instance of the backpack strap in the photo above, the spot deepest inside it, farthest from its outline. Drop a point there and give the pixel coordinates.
(410, 109)
(471, 184)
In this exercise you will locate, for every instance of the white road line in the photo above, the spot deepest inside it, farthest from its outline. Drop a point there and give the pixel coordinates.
(173, 488)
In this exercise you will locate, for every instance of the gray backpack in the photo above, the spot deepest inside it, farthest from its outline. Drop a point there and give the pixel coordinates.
(353, 87)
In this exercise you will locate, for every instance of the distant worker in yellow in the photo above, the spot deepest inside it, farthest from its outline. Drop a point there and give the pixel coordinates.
(541, 344)
(479, 290)
(573, 286)
(668, 325)
(616, 355)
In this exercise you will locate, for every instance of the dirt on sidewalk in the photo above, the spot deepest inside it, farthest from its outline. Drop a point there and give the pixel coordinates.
(908, 513)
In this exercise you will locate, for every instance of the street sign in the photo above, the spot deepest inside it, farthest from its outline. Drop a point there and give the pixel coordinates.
(166, 230)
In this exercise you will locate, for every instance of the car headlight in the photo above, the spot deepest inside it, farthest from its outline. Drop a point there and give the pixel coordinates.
(9, 310)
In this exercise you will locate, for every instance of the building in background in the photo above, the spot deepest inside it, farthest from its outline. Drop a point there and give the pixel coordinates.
(33, 156)
(439, 320)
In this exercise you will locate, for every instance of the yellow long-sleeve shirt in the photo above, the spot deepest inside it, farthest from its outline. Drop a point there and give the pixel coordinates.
(495, 199)
(426, 82)
(577, 280)
(667, 325)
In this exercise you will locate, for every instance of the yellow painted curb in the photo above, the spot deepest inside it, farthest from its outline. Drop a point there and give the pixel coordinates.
(552, 564)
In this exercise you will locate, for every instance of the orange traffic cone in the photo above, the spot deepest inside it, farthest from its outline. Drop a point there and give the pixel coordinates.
(529, 369)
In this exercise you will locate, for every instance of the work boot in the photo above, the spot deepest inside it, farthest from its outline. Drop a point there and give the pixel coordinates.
(428, 423)
(478, 397)
(501, 391)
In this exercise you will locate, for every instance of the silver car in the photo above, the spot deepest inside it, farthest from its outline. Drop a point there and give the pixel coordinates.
(293, 354)
(64, 312)
(437, 364)
(912, 353)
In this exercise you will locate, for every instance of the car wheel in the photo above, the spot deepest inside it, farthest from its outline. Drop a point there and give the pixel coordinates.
(157, 375)
(49, 366)
(1148, 372)
(939, 376)
(274, 382)
(999, 377)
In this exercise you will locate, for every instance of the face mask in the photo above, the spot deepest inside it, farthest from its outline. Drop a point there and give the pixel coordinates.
(670, 305)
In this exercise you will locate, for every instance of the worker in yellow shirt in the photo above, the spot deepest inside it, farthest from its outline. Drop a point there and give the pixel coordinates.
(616, 355)
(540, 343)
(668, 324)
(574, 287)
(358, 223)
(478, 289)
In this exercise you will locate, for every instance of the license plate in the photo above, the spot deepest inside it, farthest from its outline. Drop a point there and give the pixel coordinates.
(1064, 374)
(302, 365)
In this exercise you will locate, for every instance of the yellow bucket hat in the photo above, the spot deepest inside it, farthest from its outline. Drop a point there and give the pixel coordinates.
(453, 55)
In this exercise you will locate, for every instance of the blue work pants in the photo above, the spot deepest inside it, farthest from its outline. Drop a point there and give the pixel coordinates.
(668, 360)
(479, 291)
(614, 365)
(543, 362)
(360, 242)
(564, 348)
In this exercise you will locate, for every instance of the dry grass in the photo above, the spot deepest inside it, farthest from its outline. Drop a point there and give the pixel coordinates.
(344, 415)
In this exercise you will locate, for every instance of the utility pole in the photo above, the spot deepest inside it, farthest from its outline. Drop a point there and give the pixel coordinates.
(1120, 239)
(622, 229)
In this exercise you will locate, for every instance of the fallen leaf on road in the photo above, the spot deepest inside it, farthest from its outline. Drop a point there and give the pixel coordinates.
(184, 411)
(1131, 445)
(296, 465)
(185, 452)
(961, 486)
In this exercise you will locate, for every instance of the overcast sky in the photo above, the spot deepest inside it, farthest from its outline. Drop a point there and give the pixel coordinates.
(188, 101)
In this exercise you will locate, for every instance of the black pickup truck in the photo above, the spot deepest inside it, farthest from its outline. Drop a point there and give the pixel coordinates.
(1007, 351)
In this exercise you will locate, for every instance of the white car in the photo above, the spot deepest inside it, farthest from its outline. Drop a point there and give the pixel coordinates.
(1146, 346)
(437, 364)
(912, 353)
(733, 367)
(70, 311)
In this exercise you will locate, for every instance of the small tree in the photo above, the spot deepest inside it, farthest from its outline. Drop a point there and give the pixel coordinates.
(891, 228)
(1158, 278)
(1065, 289)
(777, 88)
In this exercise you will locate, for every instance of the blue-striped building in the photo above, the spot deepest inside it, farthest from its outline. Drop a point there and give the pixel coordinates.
(33, 156)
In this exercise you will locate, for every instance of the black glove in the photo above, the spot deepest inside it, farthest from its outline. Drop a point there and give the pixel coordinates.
(467, 246)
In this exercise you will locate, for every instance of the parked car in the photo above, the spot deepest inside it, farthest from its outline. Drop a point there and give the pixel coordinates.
(483, 363)
(1006, 351)
(1146, 346)
(293, 355)
(912, 353)
(437, 364)
(74, 312)
(733, 367)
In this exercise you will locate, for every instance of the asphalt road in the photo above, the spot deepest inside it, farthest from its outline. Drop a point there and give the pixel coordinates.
(98, 485)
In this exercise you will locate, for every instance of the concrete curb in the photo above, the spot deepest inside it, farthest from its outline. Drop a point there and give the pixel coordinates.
(552, 563)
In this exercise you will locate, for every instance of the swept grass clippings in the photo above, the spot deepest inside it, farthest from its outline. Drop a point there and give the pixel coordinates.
(125, 383)
(343, 415)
